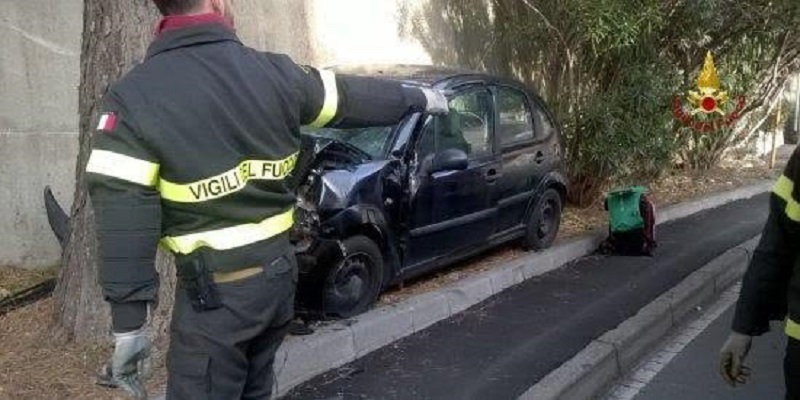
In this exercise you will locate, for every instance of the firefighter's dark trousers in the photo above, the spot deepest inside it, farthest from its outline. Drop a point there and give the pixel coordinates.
(791, 369)
(228, 353)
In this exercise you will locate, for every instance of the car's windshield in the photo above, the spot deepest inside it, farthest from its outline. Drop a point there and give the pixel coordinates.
(372, 140)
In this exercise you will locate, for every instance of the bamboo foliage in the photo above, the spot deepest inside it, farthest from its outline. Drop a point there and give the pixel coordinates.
(610, 69)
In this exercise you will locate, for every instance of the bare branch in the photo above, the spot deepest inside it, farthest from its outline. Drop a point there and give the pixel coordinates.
(550, 26)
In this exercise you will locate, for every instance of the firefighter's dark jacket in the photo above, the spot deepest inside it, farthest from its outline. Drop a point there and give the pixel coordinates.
(193, 151)
(771, 285)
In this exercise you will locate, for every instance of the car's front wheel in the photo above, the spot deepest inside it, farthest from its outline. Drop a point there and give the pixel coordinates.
(354, 284)
(544, 221)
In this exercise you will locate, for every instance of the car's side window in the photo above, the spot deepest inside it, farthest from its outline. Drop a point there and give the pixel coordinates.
(516, 119)
(427, 141)
(544, 123)
(466, 127)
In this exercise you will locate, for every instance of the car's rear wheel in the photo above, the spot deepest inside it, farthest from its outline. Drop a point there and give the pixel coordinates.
(354, 284)
(544, 221)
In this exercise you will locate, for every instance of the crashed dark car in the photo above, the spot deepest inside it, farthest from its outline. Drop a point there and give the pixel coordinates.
(380, 205)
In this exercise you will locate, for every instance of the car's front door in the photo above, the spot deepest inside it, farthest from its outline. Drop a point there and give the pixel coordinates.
(449, 209)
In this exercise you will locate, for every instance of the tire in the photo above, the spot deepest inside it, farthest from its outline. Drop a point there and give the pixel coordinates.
(543, 221)
(355, 282)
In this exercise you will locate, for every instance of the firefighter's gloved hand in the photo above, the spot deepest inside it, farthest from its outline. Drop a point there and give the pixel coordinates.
(437, 101)
(731, 359)
(130, 364)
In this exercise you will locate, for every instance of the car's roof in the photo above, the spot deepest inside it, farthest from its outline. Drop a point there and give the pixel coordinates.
(427, 75)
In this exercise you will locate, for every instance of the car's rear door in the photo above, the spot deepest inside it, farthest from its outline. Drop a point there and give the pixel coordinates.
(523, 155)
(450, 211)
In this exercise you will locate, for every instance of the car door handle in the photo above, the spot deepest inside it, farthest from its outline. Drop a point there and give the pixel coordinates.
(492, 175)
(539, 158)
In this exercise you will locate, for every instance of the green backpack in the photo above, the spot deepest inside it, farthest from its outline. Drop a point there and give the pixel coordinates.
(631, 222)
(624, 213)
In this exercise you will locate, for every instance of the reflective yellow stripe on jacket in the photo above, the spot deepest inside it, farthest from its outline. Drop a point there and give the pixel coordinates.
(331, 104)
(792, 329)
(228, 182)
(231, 237)
(783, 189)
(123, 167)
(145, 173)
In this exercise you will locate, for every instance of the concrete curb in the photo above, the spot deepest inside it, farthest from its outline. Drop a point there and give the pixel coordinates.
(610, 356)
(683, 210)
(302, 358)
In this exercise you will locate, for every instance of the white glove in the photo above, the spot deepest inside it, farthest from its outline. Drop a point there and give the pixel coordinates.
(130, 364)
(437, 101)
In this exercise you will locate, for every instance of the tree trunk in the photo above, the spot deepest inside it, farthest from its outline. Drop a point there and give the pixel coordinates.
(115, 36)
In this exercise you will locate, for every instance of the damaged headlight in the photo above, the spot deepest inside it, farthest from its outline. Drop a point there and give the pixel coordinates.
(307, 223)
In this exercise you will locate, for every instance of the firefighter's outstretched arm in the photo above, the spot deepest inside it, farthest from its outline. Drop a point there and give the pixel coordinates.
(122, 178)
(347, 101)
(765, 284)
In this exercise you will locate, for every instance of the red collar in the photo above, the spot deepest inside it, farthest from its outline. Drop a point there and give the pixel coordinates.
(173, 22)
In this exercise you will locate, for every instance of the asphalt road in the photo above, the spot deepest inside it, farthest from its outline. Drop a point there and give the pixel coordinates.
(501, 347)
(692, 374)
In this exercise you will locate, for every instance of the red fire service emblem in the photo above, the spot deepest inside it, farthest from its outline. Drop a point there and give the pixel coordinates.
(707, 104)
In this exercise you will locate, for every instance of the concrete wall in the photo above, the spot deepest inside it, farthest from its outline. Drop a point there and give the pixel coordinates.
(364, 31)
(39, 62)
(279, 26)
(28, 162)
(329, 32)
(39, 76)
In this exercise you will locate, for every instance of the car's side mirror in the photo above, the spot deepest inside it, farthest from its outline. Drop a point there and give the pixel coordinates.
(450, 160)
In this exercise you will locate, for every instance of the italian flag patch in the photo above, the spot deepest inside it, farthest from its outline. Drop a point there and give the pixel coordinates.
(108, 122)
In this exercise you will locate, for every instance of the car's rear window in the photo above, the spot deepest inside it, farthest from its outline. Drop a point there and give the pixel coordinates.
(516, 119)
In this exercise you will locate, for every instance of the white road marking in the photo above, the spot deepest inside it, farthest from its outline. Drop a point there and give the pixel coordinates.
(637, 379)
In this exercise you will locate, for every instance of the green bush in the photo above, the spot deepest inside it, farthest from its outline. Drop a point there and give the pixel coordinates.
(610, 69)
(622, 133)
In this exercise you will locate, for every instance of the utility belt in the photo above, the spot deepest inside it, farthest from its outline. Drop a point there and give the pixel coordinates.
(201, 271)
(200, 282)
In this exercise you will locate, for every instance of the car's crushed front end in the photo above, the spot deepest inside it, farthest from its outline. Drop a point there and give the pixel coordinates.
(341, 192)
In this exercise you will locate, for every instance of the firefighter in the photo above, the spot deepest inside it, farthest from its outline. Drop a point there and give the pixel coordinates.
(771, 286)
(192, 151)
